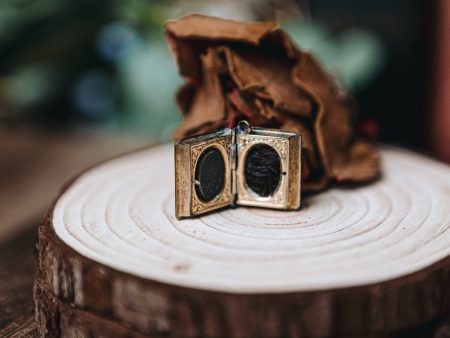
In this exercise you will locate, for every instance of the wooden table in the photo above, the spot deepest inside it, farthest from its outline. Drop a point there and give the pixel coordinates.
(34, 166)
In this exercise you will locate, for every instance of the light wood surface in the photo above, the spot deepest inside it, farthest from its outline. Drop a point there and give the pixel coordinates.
(353, 260)
(122, 215)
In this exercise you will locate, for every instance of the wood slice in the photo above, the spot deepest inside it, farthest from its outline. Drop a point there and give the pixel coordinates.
(368, 261)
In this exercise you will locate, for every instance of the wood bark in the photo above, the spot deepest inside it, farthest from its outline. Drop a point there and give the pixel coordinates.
(370, 261)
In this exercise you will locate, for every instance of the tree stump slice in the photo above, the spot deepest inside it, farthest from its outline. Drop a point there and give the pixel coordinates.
(371, 261)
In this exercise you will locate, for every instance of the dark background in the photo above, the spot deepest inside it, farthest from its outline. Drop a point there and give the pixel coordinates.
(87, 89)
(397, 98)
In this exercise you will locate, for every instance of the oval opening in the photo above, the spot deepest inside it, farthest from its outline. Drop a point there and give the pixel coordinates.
(262, 169)
(209, 174)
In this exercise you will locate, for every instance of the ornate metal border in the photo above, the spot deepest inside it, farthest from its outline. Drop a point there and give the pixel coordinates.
(288, 147)
(231, 142)
(223, 144)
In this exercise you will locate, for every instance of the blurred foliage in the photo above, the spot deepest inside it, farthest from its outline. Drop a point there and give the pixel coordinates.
(105, 62)
(355, 56)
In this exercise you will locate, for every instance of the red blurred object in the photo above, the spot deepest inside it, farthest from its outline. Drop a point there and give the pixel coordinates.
(369, 129)
(439, 131)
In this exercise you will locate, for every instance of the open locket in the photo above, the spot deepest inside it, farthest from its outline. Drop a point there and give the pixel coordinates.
(258, 167)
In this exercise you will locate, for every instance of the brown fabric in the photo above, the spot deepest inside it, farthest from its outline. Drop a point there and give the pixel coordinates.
(253, 71)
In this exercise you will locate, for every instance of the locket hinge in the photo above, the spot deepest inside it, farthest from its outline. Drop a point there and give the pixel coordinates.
(233, 166)
(243, 127)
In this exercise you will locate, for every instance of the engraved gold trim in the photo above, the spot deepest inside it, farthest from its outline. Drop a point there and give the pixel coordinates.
(224, 198)
(247, 196)
(287, 145)
(295, 173)
(234, 143)
(187, 153)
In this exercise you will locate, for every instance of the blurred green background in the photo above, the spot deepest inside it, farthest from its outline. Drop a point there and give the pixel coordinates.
(104, 64)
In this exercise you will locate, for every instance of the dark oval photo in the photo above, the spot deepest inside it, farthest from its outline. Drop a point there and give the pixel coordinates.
(262, 169)
(209, 174)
